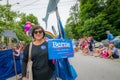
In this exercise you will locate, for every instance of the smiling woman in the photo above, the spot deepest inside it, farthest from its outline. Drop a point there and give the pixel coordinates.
(39, 56)
(38, 33)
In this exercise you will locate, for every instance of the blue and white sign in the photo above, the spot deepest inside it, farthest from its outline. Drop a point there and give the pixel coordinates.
(60, 48)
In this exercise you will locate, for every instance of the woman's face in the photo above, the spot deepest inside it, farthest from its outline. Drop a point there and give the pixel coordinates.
(38, 34)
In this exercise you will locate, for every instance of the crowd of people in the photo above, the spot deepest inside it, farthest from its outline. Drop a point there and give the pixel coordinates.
(3, 46)
(42, 65)
(89, 47)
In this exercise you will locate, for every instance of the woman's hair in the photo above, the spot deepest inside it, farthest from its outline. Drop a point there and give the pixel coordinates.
(37, 27)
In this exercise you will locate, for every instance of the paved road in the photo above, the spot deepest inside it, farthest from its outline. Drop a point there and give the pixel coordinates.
(95, 68)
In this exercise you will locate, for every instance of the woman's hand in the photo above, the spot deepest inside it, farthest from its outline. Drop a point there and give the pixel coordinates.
(24, 78)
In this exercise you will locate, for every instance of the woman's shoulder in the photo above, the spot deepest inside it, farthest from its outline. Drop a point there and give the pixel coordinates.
(45, 43)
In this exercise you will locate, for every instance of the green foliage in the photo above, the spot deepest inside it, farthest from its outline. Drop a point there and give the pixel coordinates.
(25, 18)
(96, 27)
(21, 35)
(69, 34)
(6, 17)
(94, 18)
(89, 9)
(8, 21)
(112, 9)
(72, 22)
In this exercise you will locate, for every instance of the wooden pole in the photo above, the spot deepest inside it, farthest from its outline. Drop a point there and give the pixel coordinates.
(15, 67)
(10, 42)
(2, 39)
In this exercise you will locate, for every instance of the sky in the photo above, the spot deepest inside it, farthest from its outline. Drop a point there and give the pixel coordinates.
(39, 7)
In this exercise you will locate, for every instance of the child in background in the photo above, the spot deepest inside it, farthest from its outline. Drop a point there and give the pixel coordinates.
(104, 52)
(113, 52)
(85, 46)
(76, 48)
(101, 51)
(74, 43)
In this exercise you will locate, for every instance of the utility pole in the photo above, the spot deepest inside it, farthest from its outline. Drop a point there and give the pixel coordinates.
(9, 39)
(7, 2)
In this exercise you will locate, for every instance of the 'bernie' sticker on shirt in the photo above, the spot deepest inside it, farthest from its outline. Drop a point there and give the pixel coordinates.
(43, 47)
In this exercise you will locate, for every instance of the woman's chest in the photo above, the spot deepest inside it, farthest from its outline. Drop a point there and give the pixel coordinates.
(39, 51)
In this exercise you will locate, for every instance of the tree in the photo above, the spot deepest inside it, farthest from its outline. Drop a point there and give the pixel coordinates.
(112, 9)
(8, 21)
(89, 10)
(68, 28)
(97, 27)
(95, 17)
(25, 18)
(72, 22)
(6, 17)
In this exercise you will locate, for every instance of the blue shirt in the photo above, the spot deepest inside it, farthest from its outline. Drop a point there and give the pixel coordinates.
(17, 57)
(110, 37)
(115, 52)
(21, 55)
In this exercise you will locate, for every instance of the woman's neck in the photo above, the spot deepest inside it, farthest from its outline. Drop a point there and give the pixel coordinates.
(38, 42)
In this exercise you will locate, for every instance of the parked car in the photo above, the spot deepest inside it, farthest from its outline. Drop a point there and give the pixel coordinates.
(105, 42)
(116, 41)
(98, 44)
(117, 38)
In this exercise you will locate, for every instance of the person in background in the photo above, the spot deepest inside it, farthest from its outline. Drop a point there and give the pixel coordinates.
(22, 47)
(81, 41)
(16, 53)
(42, 68)
(76, 49)
(74, 43)
(16, 50)
(91, 45)
(85, 46)
(1, 46)
(98, 49)
(113, 52)
(101, 51)
(4, 46)
(104, 53)
(110, 37)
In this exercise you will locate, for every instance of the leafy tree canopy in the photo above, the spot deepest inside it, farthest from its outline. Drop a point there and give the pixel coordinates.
(93, 18)
(8, 21)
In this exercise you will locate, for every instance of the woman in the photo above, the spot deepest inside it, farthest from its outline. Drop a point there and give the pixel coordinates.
(42, 68)
(16, 50)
